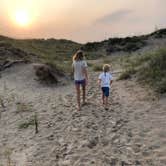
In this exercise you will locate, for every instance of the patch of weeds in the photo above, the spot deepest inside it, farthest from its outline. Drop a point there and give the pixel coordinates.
(8, 153)
(27, 123)
(107, 60)
(89, 64)
(23, 107)
(161, 86)
(59, 66)
(127, 74)
(149, 68)
(2, 103)
(97, 67)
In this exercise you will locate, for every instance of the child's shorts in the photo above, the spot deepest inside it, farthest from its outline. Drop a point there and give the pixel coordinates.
(106, 91)
(80, 82)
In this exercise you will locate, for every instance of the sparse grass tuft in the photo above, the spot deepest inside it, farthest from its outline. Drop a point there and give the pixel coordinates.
(97, 67)
(27, 123)
(127, 74)
(89, 64)
(23, 107)
(8, 154)
(2, 105)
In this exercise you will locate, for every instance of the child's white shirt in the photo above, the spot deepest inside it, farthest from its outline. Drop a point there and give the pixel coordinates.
(105, 79)
(78, 69)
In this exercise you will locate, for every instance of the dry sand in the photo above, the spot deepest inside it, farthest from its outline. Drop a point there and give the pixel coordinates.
(132, 132)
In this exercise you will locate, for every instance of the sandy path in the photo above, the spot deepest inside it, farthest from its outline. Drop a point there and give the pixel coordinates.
(131, 132)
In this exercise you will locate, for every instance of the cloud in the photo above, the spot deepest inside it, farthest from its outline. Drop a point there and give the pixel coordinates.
(114, 17)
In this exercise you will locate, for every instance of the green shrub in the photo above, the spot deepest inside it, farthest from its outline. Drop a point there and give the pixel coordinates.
(62, 67)
(154, 71)
(89, 64)
(26, 124)
(127, 74)
(161, 86)
(97, 67)
(150, 68)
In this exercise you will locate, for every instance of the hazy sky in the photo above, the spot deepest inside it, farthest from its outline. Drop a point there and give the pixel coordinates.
(80, 20)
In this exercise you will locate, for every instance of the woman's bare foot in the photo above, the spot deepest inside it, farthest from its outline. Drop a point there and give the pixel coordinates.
(84, 103)
(78, 108)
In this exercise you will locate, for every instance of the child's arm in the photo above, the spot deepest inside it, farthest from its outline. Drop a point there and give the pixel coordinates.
(99, 83)
(111, 80)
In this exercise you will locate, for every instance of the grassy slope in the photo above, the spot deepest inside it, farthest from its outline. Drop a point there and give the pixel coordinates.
(56, 53)
(127, 44)
(149, 68)
(51, 49)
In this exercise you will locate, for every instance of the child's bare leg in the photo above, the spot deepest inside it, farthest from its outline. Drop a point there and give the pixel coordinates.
(78, 96)
(103, 98)
(106, 102)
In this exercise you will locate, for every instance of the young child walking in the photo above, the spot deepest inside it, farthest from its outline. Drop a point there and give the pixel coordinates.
(105, 81)
(80, 76)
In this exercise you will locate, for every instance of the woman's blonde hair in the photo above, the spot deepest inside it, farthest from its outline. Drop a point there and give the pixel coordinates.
(106, 68)
(78, 56)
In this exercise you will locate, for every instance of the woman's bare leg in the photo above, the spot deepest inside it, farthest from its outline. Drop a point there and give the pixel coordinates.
(78, 96)
(84, 93)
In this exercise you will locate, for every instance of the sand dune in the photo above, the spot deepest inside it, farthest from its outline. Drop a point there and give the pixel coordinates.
(132, 132)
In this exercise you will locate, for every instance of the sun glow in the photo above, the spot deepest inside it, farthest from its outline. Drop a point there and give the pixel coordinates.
(22, 18)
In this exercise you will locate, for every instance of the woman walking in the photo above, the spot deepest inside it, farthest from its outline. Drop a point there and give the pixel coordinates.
(79, 67)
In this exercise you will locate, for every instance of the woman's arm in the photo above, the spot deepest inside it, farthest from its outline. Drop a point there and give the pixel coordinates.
(86, 74)
(72, 69)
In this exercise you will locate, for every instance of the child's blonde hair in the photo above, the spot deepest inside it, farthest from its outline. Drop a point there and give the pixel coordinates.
(106, 68)
(78, 56)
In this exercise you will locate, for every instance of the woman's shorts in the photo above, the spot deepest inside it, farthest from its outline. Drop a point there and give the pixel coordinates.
(80, 82)
(106, 91)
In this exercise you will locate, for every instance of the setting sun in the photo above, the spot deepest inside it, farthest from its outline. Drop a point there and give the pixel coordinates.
(22, 18)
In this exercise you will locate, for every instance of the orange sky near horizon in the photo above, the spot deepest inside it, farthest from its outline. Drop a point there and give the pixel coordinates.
(79, 20)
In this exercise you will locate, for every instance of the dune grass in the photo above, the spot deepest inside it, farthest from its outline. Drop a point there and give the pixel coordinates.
(149, 68)
(97, 67)
(54, 49)
(153, 71)
(26, 124)
(127, 74)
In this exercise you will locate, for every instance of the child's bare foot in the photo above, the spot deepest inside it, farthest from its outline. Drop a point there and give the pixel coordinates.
(106, 108)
